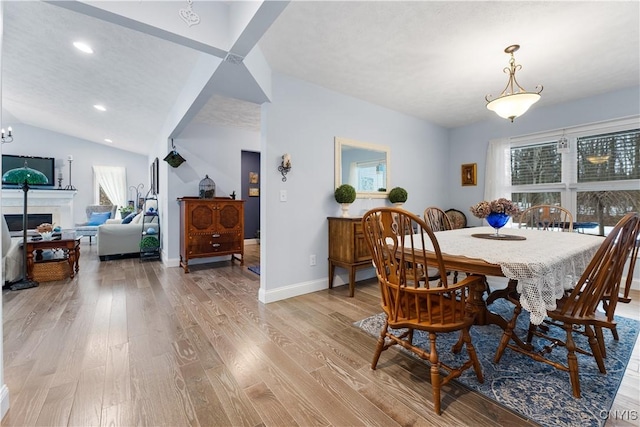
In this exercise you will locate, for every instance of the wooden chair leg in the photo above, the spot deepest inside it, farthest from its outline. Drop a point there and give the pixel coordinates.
(596, 344)
(531, 332)
(466, 337)
(600, 339)
(508, 332)
(380, 346)
(435, 373)
(572, 361)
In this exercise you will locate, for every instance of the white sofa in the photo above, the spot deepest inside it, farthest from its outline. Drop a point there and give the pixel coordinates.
(117, 239)
(11, 255)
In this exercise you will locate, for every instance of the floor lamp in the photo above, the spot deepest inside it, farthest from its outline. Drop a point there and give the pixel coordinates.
(24, 176)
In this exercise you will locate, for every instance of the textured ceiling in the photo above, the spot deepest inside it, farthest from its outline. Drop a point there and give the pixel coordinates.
(433, 60)
(438, 60)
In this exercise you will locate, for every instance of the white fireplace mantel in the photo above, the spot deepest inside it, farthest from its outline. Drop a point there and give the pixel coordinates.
(59, 203)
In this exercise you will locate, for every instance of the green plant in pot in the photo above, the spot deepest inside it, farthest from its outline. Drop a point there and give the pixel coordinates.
(345, 195)
(398, 196)
(126, 210)
(149, 242)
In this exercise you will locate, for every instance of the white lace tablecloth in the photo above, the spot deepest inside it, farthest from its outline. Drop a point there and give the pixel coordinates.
(545, 264)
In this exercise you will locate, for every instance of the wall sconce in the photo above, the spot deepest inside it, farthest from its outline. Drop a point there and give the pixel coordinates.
(285, 166)
(8, 137)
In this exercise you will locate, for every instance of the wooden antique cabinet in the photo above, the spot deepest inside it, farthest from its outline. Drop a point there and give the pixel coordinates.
(347, 248)
(210, 228)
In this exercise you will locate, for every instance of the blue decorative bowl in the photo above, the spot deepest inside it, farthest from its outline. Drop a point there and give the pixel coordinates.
(497, 220)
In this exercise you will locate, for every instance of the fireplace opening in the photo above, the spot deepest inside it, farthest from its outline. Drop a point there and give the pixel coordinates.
(14, 221)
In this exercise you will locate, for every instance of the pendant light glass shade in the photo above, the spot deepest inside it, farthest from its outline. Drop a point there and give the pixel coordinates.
(512, 106)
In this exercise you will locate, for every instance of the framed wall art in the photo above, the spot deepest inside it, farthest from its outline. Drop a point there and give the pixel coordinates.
(469, 174)
(254, 192)
(155, 166)
(253, 177)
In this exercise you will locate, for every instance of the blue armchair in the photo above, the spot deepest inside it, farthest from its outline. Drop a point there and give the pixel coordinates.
(89, 228)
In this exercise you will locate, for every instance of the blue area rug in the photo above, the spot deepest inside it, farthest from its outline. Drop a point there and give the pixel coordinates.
(255, 269)
(533, 389)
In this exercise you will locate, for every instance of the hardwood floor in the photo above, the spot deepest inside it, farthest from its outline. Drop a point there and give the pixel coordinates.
(128, 343)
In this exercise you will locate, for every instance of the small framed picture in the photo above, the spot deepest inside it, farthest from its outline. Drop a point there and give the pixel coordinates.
(254, 192)
(469, 174)
(253, 177)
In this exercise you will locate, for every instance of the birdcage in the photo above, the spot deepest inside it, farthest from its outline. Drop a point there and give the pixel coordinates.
(207, 188)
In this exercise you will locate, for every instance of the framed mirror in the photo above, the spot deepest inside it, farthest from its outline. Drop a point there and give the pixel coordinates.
(363, 165)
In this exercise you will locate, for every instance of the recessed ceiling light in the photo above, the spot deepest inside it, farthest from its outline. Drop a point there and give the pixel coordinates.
(83, 47)
(99, 107)
(108, 140)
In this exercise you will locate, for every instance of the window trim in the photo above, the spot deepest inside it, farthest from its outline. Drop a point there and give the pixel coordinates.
(569, 187)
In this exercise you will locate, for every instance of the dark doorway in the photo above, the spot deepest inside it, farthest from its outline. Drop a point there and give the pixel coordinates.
(251, 193)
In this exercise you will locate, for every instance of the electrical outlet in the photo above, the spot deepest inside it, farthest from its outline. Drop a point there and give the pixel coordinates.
(283, 195)
(312, 260)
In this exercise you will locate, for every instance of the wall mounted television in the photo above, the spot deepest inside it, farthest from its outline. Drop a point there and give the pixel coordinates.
(46, 165)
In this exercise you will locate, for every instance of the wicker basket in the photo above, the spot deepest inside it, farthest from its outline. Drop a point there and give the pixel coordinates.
(50, 270)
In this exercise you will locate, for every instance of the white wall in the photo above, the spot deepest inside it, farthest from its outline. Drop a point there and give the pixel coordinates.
(33, 141)
(303, 120)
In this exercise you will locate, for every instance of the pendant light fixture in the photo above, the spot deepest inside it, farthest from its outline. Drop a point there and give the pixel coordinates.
(514, 101)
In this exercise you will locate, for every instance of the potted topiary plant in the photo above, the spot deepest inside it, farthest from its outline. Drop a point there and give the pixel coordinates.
(398, 196)
(149, 243)
(345, 195)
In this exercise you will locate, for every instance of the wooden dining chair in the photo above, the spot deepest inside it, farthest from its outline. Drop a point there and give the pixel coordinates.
(579, 308)
(407, 302)
(438, 220)
(546, 217)
(612, 298)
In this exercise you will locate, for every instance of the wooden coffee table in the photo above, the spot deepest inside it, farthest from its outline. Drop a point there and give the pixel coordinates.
(68, 242)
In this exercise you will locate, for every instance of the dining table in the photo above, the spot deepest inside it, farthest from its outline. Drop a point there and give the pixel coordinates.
(544, 263)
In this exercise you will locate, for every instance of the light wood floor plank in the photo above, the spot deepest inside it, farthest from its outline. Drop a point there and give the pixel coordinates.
(130, 343)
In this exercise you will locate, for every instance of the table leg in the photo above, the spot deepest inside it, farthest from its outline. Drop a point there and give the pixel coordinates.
(77, 251)
(29, 265)
(484, 316)
(72, 261)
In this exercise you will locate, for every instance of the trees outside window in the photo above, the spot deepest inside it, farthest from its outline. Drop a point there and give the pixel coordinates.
(597, 178)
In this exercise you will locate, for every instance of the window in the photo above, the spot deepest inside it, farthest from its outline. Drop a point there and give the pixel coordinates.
(371, 176)
(110, 181)
(597, 178)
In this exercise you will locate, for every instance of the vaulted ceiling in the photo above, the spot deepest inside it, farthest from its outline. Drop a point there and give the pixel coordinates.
(432, 60)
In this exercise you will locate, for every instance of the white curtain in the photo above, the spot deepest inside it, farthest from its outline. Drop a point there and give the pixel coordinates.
(498, 170)
(113, 180)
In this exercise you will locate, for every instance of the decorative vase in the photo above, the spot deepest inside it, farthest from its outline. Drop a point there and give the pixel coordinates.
(398, 205)
(345, 209)
(497, 221)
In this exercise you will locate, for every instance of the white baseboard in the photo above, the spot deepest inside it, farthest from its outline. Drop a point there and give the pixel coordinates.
(4, 401)
(291, 291)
